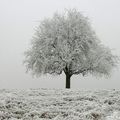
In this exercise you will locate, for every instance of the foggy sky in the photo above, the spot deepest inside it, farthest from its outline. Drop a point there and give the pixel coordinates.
(18, 19)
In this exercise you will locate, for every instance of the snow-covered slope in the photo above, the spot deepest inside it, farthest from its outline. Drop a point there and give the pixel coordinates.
(59, 104)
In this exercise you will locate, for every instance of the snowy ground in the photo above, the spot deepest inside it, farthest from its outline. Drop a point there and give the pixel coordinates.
(59, 104)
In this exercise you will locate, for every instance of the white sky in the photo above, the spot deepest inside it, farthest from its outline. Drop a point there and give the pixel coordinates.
(18, 19)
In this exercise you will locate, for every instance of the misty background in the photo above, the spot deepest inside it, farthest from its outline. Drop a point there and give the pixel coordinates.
(18, 19)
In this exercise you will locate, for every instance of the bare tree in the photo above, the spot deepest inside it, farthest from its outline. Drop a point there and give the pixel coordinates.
(66, 42)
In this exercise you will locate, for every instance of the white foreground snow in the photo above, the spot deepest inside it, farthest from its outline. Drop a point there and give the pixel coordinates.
(114, 116)
(59, 104)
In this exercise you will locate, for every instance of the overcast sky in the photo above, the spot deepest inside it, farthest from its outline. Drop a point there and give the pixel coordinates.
(18, 19)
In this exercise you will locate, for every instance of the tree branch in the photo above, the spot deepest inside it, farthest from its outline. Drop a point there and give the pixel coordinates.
(82, 70)
(59, 53)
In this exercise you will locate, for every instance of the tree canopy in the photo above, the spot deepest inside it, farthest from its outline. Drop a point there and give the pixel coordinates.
(67, 43)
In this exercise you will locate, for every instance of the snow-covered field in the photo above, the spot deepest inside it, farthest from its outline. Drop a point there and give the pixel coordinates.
(59, 104)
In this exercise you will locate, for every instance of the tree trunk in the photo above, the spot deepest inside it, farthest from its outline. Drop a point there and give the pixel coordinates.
(68, 80)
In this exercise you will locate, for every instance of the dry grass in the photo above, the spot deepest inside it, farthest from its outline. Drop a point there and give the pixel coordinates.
(58, 104)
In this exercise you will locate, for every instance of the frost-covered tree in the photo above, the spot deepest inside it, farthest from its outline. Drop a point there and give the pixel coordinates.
(67, 43)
